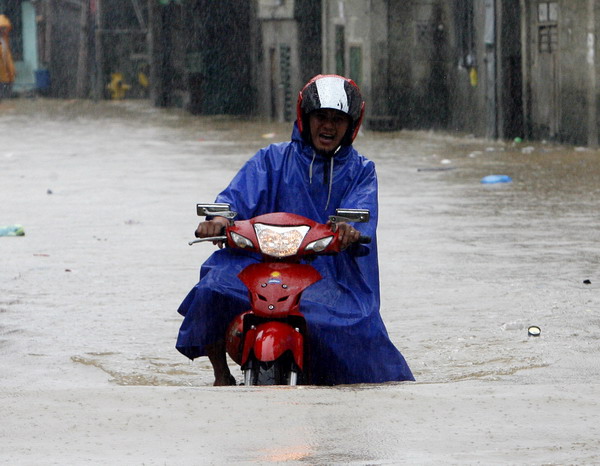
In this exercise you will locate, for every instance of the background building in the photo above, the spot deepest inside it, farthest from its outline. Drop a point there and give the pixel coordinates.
(23, 42)
(492, 68)
(287, 53)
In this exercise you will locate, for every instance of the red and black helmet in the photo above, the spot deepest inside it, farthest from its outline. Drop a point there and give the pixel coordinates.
(335, 92)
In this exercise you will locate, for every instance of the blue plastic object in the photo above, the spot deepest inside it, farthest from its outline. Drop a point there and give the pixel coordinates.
(491, 179)
(42, 79)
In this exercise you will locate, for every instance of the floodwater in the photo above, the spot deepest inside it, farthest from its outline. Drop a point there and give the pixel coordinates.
(106, 193)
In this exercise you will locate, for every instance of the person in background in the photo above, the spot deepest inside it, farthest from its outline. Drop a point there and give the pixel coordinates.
(7, 66)
(312, 175)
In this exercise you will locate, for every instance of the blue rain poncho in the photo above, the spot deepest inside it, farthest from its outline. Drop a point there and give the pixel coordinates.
(348, 340)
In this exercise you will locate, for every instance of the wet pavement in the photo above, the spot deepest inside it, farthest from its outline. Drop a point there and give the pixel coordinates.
(106, 193)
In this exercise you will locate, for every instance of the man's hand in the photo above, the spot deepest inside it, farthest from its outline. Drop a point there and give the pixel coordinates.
(347, 234)
(210, 228)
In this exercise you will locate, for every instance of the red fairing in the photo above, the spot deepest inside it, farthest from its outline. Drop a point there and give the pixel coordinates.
(270, 340)
(233, 338)
(275, 287)
(284, 219)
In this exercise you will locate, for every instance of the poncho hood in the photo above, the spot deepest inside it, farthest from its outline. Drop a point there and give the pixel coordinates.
(308, 151)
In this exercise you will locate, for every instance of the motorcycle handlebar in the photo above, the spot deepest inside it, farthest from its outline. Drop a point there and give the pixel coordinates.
(211, 238)
(364, 239)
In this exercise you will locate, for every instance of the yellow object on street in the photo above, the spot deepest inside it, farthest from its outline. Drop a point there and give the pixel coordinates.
(117, 87)
(473, 76)
(143, 80)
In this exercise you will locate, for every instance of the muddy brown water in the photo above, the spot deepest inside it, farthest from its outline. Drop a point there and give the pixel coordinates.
(88, 297)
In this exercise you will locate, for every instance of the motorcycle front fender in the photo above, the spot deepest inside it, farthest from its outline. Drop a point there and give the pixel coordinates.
(270, 340)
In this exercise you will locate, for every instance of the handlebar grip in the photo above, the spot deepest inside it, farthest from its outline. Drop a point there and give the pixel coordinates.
(364, 239)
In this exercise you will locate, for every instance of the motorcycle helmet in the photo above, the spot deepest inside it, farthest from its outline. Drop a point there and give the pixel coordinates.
(335, 92)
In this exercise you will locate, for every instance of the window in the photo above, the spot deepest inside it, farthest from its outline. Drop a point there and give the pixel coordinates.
(547, 11)
(547, 27)
(285, 63)
(548, 39)
(356, 64)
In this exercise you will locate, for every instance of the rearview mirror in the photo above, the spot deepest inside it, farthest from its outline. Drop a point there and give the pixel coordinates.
(351, 216)
(220, 210)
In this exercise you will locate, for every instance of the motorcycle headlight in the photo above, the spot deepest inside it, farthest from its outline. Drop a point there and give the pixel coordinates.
(319, 245)
(241, 241)
(280, 241)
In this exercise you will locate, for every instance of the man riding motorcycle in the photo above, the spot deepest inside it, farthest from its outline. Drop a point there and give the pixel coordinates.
(315, 173)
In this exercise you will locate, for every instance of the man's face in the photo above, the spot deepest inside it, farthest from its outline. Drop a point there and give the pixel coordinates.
(327, 128)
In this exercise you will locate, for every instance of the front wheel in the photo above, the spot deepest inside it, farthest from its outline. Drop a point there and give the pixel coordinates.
(282, 371)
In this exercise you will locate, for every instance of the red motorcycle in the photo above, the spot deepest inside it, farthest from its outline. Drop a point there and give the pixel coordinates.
(269, 341)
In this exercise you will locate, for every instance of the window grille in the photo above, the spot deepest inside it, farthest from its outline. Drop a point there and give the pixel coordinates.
(547, 27)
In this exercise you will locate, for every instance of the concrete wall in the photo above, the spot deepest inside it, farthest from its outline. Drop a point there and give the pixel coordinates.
(278, 74)
(400, 71)
(287, 54)
(467, 73)
(561, 71)
(63, 21)
(28, 64)
(456, 65)
(473, 66)
(420, 60)
(574, 80)
(356, 45)
(203, 53)
(572, 73)
(377, 64)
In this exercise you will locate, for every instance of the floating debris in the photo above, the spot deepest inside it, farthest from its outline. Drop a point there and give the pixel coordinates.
(12, 230)
(527, 150)
(492, 179)
(435, 169)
